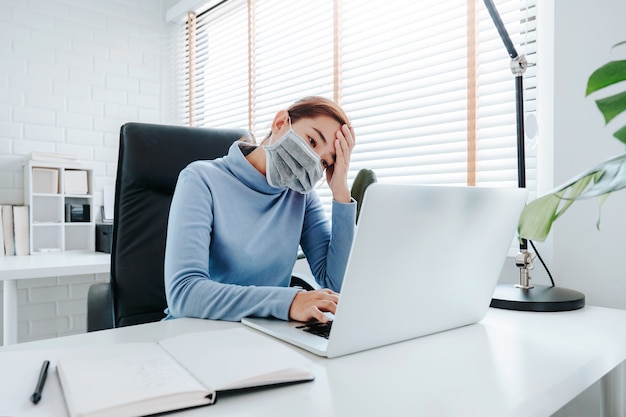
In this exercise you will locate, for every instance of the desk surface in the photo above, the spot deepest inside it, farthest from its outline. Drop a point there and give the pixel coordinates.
(14, 268)
(53, 264)
(510, 364)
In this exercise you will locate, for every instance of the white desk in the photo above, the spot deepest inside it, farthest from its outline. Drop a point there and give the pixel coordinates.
(13, 268)
(510, 364)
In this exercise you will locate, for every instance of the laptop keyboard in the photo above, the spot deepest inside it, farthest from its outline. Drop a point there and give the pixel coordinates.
(317, 328)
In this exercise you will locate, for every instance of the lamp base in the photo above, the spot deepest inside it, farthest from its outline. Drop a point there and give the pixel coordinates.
(540, 298)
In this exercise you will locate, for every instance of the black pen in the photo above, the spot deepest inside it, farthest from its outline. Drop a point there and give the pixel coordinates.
(40, 383)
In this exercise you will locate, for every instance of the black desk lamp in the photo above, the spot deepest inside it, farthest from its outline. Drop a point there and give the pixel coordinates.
(525, 296)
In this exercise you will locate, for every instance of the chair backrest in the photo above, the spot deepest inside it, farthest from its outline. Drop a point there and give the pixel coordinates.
(364, 178)
(150, 159)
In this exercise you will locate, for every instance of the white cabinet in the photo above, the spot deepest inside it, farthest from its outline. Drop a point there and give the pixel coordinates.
(61, 215)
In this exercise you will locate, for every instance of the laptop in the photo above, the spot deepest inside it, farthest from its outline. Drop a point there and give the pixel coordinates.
(424, 259)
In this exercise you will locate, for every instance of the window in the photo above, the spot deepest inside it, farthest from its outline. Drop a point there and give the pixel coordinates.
(427, 84)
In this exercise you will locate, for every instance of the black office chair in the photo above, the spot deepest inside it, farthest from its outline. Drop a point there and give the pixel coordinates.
(150, 159)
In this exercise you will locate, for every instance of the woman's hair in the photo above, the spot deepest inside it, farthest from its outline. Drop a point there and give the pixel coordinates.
(312, 107)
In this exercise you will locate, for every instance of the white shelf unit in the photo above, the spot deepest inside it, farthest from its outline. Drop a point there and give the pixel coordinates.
(45, 192)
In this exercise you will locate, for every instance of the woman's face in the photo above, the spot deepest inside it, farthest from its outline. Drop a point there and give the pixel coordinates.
(319, 133)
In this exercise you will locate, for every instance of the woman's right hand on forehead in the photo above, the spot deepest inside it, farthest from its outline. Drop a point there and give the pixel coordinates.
(337, 174)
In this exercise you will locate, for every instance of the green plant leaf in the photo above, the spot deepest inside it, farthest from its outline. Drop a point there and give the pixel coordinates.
(612, 106)
(621, 134)
(608, 74)
(538, 216)
(609, 176)
(601, 201)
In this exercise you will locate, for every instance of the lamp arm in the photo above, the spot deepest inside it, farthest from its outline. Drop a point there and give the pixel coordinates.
(504, 35)
(518, 67)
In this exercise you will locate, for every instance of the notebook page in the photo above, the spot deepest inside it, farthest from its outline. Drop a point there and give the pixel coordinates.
(237, 358)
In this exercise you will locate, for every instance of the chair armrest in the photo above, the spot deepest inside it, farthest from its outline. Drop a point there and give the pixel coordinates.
(100, 307)
(304, 281)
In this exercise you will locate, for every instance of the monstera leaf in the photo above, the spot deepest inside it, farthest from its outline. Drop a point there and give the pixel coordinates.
(609, 176)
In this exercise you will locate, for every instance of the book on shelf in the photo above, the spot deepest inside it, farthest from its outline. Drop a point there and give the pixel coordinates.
(136, 379)
(51, 156)
(20, 228)
(108, 203)
(7, 230)
(54, 159)
(2, 251)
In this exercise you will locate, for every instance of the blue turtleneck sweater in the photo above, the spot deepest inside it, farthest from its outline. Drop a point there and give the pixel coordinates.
(232, 241)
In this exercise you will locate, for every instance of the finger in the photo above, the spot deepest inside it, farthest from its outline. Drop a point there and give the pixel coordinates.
(332, 296)
(327, 306)
(325, 294)
(318, 310)
(339, 151)
(346, 142)
(347, 150)
(342, 148)
(342, 151)
(318, 315)
(348, 133)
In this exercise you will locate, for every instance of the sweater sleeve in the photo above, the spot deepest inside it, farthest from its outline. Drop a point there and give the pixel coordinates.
(327, 251)
(189, 289)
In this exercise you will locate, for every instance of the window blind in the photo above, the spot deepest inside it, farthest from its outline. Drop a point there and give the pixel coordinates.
(293, 56)
(217, 67)
(426, 83)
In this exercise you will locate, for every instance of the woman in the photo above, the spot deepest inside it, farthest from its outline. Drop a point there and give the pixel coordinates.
(236, 222)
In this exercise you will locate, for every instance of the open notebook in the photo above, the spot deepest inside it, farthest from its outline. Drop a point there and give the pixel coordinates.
(137, 379)
(424, 259)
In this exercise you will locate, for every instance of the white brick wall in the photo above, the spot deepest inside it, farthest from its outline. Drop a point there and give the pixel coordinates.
(71, 73)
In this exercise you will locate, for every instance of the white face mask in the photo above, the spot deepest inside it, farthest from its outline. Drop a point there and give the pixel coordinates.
(290, 162)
